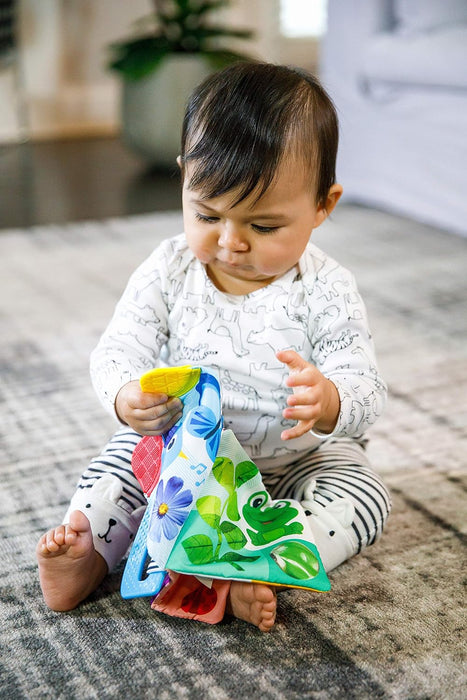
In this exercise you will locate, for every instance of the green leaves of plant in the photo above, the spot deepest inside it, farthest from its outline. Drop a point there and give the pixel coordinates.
(245, 471)
(233, 558)
(224, 473)
(231, 477)
(232, 507)
(139, 57)
(209, 508)
(234, 536)
(181, 27)
(296, 560)
(199, 549)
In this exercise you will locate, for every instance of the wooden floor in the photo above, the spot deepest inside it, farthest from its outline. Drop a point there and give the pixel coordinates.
(76, 180)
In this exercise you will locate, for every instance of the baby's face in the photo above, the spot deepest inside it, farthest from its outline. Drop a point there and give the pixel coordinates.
(249, 245)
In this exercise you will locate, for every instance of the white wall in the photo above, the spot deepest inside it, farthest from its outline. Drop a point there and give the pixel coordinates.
(68, 90)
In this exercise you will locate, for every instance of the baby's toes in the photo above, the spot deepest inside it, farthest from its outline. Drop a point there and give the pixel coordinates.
(259, 614)
(270, 607)
(55, 538)
(267, 621)
(266, 595)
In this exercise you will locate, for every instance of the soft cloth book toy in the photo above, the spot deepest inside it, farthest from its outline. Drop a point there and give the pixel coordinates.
(209, 518)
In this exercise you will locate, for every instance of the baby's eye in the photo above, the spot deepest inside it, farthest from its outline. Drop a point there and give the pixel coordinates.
(264, 229)
(206, 219)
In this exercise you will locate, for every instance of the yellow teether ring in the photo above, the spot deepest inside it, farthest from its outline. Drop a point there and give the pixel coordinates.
(173, 381)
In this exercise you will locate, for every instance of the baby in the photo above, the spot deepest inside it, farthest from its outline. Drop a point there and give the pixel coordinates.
(244, 290)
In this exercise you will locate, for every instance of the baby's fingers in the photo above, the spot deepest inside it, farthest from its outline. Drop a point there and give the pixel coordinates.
(292, 359)
(302, 413)
(298, 430)
(144, 400)
(158, 419)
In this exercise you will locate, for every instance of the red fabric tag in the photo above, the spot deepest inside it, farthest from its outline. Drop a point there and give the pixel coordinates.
(146, 462)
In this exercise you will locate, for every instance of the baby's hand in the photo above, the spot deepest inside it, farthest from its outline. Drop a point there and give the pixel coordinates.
(315, 402)
(147, 413)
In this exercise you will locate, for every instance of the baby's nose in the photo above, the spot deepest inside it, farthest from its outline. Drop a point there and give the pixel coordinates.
(232, 238)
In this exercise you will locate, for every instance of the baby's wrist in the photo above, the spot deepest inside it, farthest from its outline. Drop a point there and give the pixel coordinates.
(330, 416)
(120, 404)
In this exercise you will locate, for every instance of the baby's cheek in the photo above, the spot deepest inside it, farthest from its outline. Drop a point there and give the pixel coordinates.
(276, 262)
(202, 253)
(204, 258)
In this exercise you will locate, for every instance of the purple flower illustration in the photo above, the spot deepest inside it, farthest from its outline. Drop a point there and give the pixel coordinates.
(170, 509)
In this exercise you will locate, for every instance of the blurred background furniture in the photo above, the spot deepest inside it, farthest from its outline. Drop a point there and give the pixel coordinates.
(10, 59)
(397, 71)
(74, 165)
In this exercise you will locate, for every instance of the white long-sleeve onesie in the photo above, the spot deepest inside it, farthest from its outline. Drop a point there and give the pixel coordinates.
(171, 314)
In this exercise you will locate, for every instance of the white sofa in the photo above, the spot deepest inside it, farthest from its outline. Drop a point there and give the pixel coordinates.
(397, 71)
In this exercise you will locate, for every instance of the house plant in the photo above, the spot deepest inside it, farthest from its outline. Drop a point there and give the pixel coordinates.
(175, 48)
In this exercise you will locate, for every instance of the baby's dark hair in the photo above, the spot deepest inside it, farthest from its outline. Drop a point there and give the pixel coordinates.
(241, 122)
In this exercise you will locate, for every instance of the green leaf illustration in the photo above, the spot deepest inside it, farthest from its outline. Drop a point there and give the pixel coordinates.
(235, 556)
(296, 560)
(199, 549)
(237, 566)
(223, 470)
(232, 507)
(234, 536)
(209, 508)
(244, 472)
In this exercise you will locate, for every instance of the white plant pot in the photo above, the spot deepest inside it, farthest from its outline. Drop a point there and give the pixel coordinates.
(153, 108)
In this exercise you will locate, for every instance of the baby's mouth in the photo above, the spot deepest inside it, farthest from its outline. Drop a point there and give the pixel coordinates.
(234, 264)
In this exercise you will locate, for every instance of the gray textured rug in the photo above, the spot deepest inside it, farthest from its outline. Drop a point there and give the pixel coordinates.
(392, 625)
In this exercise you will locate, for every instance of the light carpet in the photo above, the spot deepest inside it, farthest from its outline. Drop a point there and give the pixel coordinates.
(392, 627)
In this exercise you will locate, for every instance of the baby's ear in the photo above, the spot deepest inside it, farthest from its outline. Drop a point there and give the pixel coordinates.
(334, 194)
(179, 161)
(323, 211)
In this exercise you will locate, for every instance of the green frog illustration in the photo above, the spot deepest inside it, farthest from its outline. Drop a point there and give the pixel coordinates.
(269, 522)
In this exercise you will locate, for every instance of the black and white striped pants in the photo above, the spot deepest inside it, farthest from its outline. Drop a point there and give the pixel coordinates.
(346, 501)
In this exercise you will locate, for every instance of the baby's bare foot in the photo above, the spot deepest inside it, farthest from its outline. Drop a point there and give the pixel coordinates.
(253, 602)
(69, 566)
